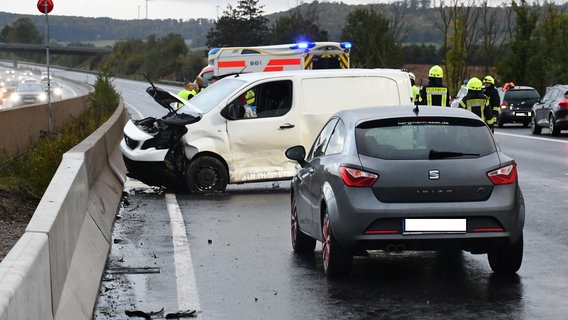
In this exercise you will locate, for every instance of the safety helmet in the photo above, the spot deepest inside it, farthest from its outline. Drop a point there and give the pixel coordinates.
(489, 79)
(412, 76)
(436, 72)
(474, 84)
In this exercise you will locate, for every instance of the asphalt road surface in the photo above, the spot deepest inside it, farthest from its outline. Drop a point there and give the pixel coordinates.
(229, 256)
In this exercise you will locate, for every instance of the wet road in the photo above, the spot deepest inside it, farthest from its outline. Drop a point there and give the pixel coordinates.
(229, 257)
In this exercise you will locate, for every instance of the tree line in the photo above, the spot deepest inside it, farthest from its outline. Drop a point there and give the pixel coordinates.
(521, 42)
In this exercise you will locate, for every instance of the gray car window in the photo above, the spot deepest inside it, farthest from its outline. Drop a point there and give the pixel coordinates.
(418, 139)
(321, 142)
(337, 139)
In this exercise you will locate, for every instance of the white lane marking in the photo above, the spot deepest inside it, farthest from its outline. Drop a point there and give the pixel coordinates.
(531, 137)
(185, 276)
(133, 108)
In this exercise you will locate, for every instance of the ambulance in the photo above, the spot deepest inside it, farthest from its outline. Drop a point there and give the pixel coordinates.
(282, 57)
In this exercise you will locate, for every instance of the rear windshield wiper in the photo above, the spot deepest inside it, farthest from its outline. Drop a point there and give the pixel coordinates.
(435, 154)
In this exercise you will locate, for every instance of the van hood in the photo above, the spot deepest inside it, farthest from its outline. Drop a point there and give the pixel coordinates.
(172, 102)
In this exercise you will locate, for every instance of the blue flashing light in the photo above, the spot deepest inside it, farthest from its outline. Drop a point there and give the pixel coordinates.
(214, 51)
(345, 45)
(303, 45)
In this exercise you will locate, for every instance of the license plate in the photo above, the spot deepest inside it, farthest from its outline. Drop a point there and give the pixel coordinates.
(434, 226)
(521, 114)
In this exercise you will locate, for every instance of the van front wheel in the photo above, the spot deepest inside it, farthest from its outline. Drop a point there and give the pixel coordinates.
(206, 175)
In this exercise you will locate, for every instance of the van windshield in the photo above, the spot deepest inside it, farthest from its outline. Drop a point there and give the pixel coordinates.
(209, 98)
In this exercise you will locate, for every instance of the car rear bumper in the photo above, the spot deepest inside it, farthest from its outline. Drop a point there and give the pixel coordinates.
(366, 224)
(510, 116)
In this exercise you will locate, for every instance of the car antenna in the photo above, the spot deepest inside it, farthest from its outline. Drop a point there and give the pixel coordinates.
(416, 110)
(239, 73)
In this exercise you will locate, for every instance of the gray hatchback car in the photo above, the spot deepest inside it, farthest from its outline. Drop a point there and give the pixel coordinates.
(406, 178)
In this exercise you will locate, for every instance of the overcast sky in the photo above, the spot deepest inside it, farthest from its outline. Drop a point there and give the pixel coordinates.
(157, 9)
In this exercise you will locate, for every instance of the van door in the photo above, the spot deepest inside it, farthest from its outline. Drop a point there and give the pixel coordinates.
(262, 125)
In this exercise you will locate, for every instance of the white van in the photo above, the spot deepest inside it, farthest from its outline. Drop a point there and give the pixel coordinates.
(239, 142)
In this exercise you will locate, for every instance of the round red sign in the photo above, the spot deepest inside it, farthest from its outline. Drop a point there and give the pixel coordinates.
(45, 6)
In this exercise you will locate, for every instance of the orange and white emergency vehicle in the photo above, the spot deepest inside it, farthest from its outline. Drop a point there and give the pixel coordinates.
(296, 56)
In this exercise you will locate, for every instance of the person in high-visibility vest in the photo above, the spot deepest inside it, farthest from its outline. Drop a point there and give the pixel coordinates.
(415, 90)
(434, 93)
(187, 92)
(475, 101)
(494, 100)
(250, 97)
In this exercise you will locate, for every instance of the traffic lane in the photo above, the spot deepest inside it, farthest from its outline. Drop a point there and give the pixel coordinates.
(245, 268)
(133, 92)
(543, 177)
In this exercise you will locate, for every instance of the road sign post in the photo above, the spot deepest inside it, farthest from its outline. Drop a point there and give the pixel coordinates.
(45, 7)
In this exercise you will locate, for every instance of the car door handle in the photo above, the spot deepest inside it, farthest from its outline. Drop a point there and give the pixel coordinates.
(287, 126)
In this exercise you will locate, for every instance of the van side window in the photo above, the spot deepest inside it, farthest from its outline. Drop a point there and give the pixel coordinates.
(273, 99)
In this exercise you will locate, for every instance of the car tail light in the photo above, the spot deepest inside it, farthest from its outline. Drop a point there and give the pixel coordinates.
(357, 178)
(504, 175)
(563, 104)
(504, 105)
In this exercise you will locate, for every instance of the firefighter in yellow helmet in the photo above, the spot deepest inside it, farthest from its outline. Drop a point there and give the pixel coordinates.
(494, 100)
(434, 93)
(475, 101)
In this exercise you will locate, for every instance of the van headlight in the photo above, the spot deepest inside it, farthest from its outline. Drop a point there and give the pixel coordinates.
(57, 91)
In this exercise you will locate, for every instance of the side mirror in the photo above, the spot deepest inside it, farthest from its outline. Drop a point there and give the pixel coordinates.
(297, 153)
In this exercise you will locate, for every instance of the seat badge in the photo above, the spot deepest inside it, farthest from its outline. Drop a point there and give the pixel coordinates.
(434, 174)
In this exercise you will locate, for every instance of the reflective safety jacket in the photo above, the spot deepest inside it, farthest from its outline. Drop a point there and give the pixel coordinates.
(494, 102)
(250, 97)
(478, 103)
(186, 94)
(434, 96)
(416, 94)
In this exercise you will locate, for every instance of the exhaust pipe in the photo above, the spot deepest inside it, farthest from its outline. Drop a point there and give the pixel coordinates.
(395, 248)
(400, 248)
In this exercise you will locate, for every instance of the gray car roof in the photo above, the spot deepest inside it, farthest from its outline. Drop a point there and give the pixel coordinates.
(387, 112)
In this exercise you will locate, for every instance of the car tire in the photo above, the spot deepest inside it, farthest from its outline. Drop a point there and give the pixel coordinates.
(535, 129)
(508, 259)
(301, 243)
(554, 130)
(337, 260)
(206, 174)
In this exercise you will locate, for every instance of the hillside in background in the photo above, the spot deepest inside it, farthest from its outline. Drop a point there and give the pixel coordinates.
(332, 16)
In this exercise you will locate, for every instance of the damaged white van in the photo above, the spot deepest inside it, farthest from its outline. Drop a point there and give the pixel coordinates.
(246, 122)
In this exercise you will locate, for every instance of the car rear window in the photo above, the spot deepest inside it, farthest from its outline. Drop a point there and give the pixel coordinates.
(521, 94)
(424, 138)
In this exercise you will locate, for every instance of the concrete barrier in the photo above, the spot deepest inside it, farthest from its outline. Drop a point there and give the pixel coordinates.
(54, 270)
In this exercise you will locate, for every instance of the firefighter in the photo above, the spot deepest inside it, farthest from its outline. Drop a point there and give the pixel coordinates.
(475, 101)
(434, 93)
(415, 90)
(494, 100)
